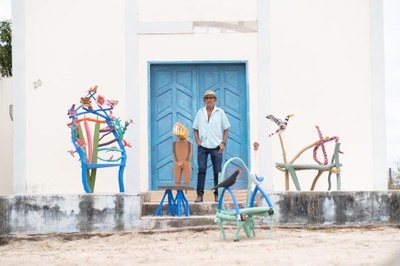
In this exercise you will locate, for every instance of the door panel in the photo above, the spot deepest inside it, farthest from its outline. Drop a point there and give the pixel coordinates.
(228, 81)
(176, 94)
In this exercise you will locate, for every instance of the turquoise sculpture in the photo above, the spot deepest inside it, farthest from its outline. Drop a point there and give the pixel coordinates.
(244, 217)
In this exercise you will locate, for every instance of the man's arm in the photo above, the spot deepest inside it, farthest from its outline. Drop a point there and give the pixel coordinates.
(223, 143)
(226, 131)
(196, 137)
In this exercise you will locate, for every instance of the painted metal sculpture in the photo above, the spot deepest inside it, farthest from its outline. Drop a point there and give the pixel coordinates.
(244, 217)
(281, 124)
(281, 128)
(321, 144)
(291, 168)
(108, 140)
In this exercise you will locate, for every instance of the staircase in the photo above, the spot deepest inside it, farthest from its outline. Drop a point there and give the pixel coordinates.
(201, 214)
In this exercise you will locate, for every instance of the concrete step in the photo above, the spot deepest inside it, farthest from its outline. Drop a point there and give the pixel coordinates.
(166, 222)
(196, 209)
(191, 195)
(194, 221)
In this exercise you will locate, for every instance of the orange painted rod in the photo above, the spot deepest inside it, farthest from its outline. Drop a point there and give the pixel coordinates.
(88, 119)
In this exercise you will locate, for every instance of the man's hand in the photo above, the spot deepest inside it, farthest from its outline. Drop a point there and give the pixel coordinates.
(221, 148)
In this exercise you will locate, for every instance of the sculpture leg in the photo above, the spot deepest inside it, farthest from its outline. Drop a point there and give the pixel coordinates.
(286, 181)
(316, 179)
(178, 204)
(85, 179)
(239, 225)
(177, 173)
(185, 203)
(121, 178)
(329, 181)
(294, 178)
(246, 228)
(187, 173)
(159, 209)
(221, 228)
(171, 202)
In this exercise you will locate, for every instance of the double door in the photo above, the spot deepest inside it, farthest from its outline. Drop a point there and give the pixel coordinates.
(176, 94)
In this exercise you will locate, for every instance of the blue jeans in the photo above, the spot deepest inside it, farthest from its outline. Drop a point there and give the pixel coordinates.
(216, 159)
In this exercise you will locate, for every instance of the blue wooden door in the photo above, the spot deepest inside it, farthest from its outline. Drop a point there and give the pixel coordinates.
(176, 93)
(228, 82)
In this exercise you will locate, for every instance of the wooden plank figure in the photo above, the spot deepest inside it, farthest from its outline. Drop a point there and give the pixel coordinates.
(182, 150)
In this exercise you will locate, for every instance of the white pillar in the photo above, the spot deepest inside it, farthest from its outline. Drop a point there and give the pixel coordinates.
(6, 131)
(132, 175)
(19, 96)
(378, 97)
(264, 97)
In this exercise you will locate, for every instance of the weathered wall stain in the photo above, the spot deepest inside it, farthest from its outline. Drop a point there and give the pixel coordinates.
(68, 214)
(91, 212)
(338, 208)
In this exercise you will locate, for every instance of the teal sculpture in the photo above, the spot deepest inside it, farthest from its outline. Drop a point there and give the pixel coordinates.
(244, 217)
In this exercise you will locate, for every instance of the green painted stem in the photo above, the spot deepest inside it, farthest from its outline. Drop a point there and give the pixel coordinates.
(96, 136)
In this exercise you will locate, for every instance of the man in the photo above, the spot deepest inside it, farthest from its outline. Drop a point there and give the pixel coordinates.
(211, 133)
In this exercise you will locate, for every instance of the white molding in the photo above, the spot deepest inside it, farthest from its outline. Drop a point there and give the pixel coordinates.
(132, 173)
(191, 27)
(165, 27)
(264, 91)
(19, 96)
(378, 95)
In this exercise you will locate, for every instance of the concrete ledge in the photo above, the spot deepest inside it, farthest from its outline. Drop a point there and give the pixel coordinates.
(41, 214)
(337, 208)
(84, 213)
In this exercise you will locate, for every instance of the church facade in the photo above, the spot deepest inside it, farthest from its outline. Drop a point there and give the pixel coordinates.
(319, 60)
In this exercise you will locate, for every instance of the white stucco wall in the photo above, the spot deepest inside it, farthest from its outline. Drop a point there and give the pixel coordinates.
(69, 46)
(321, 71)
(6, 127)
(203, 47)
(319, 67)
(193, 10)
(194, 46)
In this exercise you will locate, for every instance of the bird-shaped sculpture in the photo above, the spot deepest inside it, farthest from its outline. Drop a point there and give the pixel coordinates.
(230, 181)
(282, 125)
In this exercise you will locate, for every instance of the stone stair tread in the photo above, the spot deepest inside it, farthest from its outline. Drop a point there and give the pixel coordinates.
(191, 195)
(192, 203)
(168, 221)
(183, 217)
(200, 208)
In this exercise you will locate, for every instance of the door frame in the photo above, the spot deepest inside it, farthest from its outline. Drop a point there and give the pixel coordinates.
(209, 62)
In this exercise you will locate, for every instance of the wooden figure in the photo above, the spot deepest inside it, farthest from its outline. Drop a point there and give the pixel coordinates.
(182, 150)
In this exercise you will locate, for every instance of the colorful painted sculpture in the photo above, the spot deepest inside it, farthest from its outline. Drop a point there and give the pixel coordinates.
(291, 168)
(244, 217)
(321, 144)
(107, 144)
(182, 150)
(281, 124)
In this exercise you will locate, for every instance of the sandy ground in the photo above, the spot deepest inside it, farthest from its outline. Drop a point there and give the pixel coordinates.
(343, 246)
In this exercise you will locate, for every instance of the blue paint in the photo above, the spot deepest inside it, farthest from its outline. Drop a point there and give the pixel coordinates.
(244, 217)
(176, 91)
(117, 131)
(175, 204)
